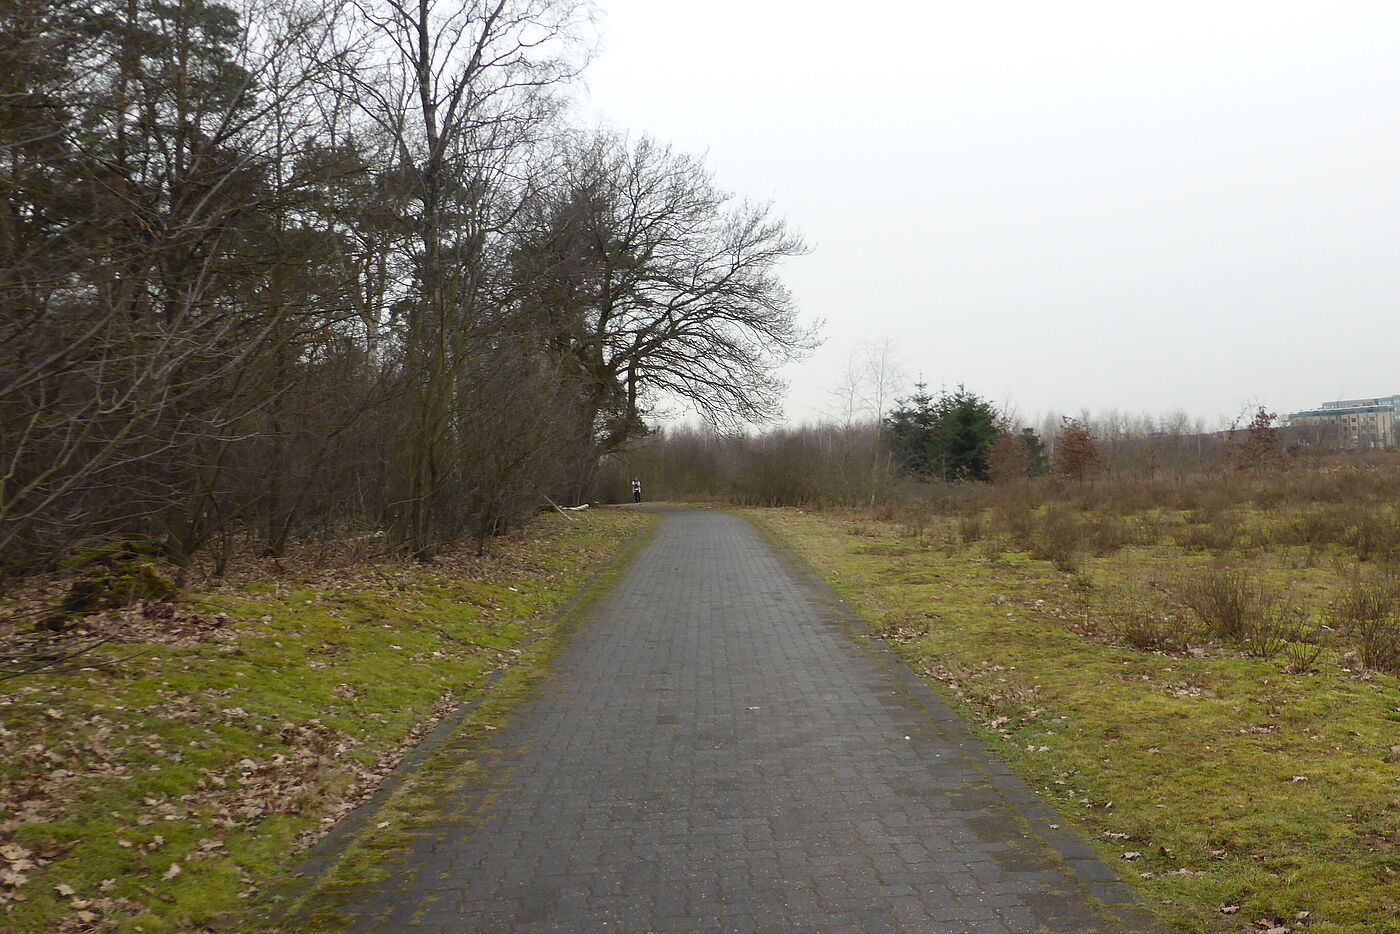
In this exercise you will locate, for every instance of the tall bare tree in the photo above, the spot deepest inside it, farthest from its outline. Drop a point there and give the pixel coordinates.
(648, 283)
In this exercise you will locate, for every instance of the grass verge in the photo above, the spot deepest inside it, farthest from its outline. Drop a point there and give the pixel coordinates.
(1233, 794)
(430, 793)
(165, 785)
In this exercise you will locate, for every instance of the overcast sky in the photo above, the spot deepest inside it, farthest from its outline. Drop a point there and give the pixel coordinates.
(1063, 205)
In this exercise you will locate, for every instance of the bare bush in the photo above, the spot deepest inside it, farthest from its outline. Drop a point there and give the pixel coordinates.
(1226, 601)
(1058, 538)
(1302, 654)
(1018, 520)
(1316, 527)
(1363, 600)
(1219, 533)
(1366, 616)
(1105, 535)
(1269, 631)
(1375, 536)
(1150, 628)
(1378, 643)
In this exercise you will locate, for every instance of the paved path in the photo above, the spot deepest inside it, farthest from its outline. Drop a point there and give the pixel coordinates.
(716, 752)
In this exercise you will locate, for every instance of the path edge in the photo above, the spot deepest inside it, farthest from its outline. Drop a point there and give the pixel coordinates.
(1115, 897)
(321, 857)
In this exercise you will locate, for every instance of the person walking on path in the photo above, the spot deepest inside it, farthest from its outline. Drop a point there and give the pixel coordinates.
(636, 490)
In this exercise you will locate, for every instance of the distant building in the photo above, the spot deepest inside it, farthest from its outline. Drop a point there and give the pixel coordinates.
(1350, 423)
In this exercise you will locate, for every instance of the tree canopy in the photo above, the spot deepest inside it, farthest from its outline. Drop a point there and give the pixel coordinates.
(276, 269)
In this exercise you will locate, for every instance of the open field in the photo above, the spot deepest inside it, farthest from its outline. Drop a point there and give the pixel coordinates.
(1240, 761)
(186, 765)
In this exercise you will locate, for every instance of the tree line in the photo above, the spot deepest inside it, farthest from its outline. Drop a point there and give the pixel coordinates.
(287, 268)
(928, 443)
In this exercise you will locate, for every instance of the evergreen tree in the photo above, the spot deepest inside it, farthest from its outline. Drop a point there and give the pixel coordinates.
(949, 436)
(911, 427)
(1037, 461)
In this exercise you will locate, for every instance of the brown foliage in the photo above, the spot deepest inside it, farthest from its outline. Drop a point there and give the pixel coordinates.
(1077, 453)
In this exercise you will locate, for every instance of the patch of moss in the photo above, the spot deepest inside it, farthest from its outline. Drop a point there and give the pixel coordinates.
(115, 552)
(126, 582)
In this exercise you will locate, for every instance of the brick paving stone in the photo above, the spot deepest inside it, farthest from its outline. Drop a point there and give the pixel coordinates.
(715, 751)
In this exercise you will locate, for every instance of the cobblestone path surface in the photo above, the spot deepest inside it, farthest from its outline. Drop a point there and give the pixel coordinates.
(717, 752)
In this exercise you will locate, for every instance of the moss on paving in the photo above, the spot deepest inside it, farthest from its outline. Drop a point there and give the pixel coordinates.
(312, 686)
(1236, 795)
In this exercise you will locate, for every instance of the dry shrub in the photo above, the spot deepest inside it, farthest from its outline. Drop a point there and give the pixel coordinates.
(1375, 536)
(1207, 495)
(1378, 643)
(862, 530)
(1143, 626)
(1365, 614)
(1302, 655)
(1269, 631)
(1226, 600)
(1363, 600)
(970, 528)
(1109, 534)
(887, 510)
(1219, 534)
(1018, 521)
(1058, 538)
(914, 524)
(1322, 525)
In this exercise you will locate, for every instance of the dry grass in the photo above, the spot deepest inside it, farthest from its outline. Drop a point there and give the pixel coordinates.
(1226, 715)
(1338, 513)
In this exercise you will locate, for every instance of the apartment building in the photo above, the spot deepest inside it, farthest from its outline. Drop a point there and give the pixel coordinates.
(1350, 423)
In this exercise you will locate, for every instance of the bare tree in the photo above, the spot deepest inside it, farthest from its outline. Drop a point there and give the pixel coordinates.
(458, 89)
(648, 283)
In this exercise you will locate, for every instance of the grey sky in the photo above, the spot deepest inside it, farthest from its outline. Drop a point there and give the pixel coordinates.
(1104, 205)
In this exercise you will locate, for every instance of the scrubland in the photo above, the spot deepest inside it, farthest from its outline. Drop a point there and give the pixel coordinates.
(1200, 671)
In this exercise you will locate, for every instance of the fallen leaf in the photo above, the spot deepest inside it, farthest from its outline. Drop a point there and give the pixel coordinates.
(13, 852)
(172, 872)
(64, 889)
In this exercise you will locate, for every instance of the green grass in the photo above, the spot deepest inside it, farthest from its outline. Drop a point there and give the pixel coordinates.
(224, 757)
(1248, 794)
